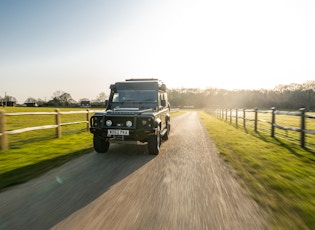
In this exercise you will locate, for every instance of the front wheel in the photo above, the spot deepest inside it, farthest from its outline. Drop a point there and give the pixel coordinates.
(154, 143)
(168, 129)
(100, 144)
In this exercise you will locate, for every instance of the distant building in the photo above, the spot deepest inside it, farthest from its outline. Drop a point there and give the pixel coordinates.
(10, 103)
(85, 104)
(31, 104)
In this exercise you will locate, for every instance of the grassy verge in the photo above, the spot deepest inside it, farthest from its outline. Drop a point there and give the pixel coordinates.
(23, 163)
(279, 175)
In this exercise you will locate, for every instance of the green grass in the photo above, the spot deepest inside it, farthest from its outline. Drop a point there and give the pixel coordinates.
(32, 153)
(283, 120)
(23, 121)
(26, 162)
(279, 175)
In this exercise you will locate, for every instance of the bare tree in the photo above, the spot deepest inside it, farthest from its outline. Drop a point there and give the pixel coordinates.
(30, 100)
(101, 97)
(61, 98)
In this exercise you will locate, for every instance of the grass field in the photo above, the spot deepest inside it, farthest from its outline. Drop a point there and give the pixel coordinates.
(279, 175)
(32, 153)
(264, 126)
(24, 121)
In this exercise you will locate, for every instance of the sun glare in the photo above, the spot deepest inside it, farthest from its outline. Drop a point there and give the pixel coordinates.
(196, 45)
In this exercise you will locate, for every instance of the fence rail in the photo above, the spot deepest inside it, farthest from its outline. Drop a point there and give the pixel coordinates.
(58, 124)
(265, 121)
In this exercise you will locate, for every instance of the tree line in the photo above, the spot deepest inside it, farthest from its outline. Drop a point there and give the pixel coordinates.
(292, 96)
(58, 99)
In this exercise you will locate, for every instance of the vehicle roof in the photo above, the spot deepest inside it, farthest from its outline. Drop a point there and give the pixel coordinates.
(141, 83)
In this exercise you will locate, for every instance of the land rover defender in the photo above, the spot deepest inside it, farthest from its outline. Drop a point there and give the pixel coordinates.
(137, 111)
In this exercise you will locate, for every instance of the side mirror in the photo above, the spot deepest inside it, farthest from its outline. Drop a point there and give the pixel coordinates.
(163, 103)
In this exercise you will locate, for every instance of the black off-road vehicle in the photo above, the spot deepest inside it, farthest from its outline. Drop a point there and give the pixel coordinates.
(137, 111)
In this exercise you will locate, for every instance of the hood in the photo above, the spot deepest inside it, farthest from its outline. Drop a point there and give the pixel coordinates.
(127, 111)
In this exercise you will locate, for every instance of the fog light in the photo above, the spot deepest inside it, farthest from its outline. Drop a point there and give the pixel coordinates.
(109, 123)
(128, 123)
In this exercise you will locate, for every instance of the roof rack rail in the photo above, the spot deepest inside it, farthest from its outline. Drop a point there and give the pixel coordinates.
(142, 79)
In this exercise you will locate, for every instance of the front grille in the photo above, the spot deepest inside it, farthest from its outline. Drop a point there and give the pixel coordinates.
(120, 121)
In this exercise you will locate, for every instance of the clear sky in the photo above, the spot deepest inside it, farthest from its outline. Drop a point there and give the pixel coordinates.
(80, 47)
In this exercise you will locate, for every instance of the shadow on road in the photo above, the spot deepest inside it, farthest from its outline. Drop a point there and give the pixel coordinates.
(45, 201)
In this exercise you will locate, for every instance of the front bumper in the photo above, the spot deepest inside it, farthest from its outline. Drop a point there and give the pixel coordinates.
(134, 135)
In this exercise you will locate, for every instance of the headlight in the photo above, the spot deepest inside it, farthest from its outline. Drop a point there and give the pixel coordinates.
(128, 123)
(109, 123)
(146, 122)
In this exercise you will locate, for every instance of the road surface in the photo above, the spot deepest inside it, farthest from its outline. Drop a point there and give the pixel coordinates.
(187, 186)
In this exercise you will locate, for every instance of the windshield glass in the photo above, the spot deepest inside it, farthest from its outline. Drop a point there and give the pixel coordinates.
(126, 98)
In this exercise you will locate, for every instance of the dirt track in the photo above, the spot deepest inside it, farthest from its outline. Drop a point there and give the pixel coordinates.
(187, 186)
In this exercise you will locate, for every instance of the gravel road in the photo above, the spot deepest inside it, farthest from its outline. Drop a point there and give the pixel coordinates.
(187, 186)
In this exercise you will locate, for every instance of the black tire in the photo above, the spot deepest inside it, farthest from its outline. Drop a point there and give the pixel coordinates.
(154, 143)
(167, 133)
(100, 144)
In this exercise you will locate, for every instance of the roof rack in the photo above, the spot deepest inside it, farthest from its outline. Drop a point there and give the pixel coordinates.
(142, 79)
(162, 86)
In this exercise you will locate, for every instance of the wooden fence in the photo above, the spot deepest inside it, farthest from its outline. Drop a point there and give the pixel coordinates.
(58, 125)
(268, 121)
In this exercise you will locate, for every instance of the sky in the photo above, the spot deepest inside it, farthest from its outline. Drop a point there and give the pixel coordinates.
(81, 47)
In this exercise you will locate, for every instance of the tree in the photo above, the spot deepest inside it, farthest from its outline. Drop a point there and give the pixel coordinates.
(309, 90)
(61, 98)
(100, 99)
(66, 99)
(30, 100)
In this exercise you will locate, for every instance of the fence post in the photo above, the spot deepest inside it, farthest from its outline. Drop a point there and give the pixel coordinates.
(88, 120)
(273, 121)
(236, 118)
(230, 116)
(244, 118)
(3, 135)
(256, 120)
(302, 110)
(58, 123)
(226, 112)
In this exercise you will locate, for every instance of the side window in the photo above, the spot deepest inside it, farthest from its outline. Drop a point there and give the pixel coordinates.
(165, 98)
(116, 97)
(160, 99)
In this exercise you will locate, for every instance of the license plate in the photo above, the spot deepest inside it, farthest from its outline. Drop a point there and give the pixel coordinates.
(118, 132)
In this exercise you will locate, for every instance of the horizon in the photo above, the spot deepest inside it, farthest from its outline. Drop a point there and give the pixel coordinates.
(173, 88)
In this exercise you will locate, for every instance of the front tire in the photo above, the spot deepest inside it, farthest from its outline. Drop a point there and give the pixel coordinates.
(100, 144)
(168, 129)
(154, 143)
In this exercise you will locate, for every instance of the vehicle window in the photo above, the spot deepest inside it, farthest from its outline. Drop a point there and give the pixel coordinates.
(116, 97)
(135, 96)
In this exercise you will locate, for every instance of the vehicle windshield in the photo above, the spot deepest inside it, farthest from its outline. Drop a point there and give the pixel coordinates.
(135, 98)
